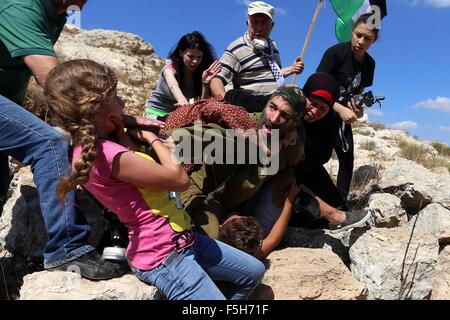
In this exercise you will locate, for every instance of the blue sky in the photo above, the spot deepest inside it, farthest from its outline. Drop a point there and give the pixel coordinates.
(412, 54)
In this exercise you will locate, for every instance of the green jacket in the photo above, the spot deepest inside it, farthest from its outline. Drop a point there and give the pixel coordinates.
(233, 184)
(27, 27)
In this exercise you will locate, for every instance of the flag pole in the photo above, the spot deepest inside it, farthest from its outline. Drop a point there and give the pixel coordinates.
(311, 27)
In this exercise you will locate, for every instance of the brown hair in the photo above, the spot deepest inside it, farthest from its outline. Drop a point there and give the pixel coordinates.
(363, 19)
(243, 233)
(76, 91)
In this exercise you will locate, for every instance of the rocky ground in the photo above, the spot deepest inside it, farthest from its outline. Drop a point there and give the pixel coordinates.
(402, 253)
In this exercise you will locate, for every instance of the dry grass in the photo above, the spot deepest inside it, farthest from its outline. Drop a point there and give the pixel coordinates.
(441, 148)
(418, 154)
(437, 163)
(363, 131)
(413, 152)
(358, 124)
(368, 145)
(377, 126)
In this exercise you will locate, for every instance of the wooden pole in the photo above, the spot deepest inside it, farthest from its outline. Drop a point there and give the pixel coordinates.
(308, 37)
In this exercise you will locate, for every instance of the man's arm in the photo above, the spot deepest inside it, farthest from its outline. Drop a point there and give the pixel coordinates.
(297, 67)
(279, 228)
(217, 88)
(40, 66)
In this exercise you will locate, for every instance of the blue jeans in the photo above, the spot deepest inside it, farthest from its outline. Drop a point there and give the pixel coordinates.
(31, 141)
(189, 275)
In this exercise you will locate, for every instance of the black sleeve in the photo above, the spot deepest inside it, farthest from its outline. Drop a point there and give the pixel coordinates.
(369, 72)
(328, 62)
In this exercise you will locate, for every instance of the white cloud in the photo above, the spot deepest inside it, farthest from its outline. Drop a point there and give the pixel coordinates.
(438, 3)
(444, 129)
(440, 103)
(432, 3)
(404, 125)
(281, 11)
(375, 112)
(244, 3)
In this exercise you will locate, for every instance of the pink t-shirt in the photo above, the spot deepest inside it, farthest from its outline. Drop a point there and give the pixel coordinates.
(155, 226)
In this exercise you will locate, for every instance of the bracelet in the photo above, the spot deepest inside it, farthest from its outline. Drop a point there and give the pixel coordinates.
(157, 139)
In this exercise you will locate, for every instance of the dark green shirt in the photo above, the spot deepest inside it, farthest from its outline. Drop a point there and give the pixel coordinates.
(27, 27)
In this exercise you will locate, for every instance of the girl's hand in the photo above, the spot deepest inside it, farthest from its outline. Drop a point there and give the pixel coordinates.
(181, 102)
(295, 189)
(211, 72)
(122, 137)
(149, 137)
(347, 115)
(139, 122)
(359, 112)
(142, 135)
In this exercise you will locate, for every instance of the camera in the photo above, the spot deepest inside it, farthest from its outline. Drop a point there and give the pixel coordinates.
(367, 99)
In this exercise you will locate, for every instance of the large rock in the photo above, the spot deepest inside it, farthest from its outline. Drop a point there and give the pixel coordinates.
(433, 219)
(307, 274)
(441, 289)
(416, 186)
(70, 286)
(132, 59)
(378, 261)
(22, 228)
(387, 211)
(338, 243)
(363, 176)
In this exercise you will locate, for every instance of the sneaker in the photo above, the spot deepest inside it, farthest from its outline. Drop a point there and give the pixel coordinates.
(93, 267)
(353, 220)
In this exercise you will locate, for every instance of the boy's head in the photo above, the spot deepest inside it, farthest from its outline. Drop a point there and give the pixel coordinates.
(243, 233)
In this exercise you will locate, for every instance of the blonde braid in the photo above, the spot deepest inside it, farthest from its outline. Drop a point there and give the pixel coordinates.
(77, 92)
(87, 138)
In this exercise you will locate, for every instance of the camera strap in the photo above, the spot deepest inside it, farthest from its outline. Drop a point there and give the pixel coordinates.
(342, 140)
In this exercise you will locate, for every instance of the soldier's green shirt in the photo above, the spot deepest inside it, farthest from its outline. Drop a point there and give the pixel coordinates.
(233, 184)
(27, 27)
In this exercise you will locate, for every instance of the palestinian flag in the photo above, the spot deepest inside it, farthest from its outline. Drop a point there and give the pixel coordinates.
(349, 11)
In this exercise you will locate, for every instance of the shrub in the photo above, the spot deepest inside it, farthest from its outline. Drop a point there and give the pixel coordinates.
(413, 152)
(441, 148)
(378, 126)
(368, 145)
(417, 153)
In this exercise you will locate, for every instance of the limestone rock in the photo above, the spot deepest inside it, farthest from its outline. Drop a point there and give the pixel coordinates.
(131, 58)
(363, 176)
(433, 219)
(338, 243)
(441, 289)
(307, 274)
(22, 228)
(70, 286)
(441, 171)
(387, 211)
(378, 261)
(415, 186)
